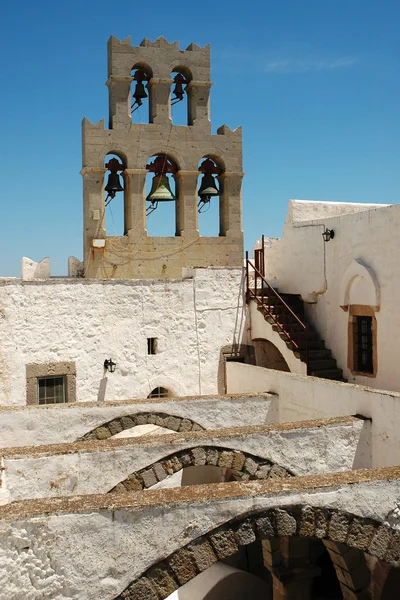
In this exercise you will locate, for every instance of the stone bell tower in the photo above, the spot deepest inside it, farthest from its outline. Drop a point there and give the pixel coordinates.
(145, 71)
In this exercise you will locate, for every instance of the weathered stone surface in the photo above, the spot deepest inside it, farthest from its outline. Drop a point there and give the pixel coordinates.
(238, 461)
(360, 534)
(263, 472)
(173, 423)
(141, 590)
(186, 425)
(307, 522)
(225, 459)
(286, 524)
(245, 533)
(199, 456)
(149, 477)
(379, 543)
(119, 488)
(183, 566)
(159, 471)
(186, 459)
(102, 433)
(224, 543)
(278, 472)
(162, 581)
(265, 528)
(321, 523)
(197, 427)
(251, 466)
(115, 427)
(212, 456)
(132, 484)
(141, 419)
(393, 552)
(203, 554)
(339, 526)
(127, 422)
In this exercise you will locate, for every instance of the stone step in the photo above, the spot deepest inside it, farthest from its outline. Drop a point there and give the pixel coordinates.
(328, 374)
(314, 354)
(321, 364)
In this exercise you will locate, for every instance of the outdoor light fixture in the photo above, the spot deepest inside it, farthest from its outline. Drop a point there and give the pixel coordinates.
(109, 365)
(328, 234)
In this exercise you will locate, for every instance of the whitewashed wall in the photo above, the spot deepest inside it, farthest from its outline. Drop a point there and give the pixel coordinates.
(302, 397)
(302, 263)
(88, 321)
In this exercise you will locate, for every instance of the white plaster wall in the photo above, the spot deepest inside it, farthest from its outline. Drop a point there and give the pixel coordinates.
(54, 424)
(88, 321)
(303, 450)
(313, 398)
(302, 263)
(95, 553)
(261, 329)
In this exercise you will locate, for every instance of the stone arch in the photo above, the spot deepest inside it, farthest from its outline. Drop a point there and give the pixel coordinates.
(242, 465)
(359, 272)
(173, 571)
(116, 425)
(269, 356)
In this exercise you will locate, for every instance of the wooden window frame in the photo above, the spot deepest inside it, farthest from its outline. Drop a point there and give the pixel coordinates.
(360, 310)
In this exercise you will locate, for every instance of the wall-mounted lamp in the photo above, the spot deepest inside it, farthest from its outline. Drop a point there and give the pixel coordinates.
(109, 365)
(328, 234)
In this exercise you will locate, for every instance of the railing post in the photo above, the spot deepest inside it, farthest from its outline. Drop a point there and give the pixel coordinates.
(262, 270)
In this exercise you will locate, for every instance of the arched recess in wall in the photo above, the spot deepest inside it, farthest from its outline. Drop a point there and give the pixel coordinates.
(211, 196)
(360, 296)
(116, 194)
(181, 77)
(162, 193)
(268, 356)
(141, 93)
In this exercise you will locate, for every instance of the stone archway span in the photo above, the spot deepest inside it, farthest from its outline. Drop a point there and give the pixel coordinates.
(243, 466)
(118, 424)
(331, 525)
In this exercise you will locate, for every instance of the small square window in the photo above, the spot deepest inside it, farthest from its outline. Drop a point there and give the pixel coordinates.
(51, 390)
(152, 345)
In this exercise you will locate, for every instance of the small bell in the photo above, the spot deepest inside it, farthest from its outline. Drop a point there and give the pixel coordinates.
(113, 185)
(208, 188)
(160, 190)
(178, 90)
(139, 92)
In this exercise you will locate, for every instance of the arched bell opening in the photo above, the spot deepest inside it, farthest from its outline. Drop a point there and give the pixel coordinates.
(141, 93)
(181, 77)
(161, 195)
(115, 194)
(210, 194)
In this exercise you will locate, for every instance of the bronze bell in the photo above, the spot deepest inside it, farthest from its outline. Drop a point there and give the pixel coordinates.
(178, 91)
(139, 93)
(160, 190)
(113, 184)
(208, 188)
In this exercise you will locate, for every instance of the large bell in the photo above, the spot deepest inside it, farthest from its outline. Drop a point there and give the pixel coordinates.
(139, 93)
(113, 184)
(208, 187)
(160, 190)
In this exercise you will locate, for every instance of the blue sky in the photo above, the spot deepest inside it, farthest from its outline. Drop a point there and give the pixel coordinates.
(314, 83)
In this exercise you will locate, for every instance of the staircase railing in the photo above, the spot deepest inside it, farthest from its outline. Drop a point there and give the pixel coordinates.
(269, 299)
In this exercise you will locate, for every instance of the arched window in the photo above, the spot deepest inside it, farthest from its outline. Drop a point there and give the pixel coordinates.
(159, 392)
(114, 189)
(141, 93)
(210, 197)
(161, 195)
(181, 77)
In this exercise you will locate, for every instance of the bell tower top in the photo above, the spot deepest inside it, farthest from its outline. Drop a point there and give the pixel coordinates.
(157, 164)
(157, 60)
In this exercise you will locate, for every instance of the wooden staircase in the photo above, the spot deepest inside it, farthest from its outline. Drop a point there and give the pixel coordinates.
(285, 313)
